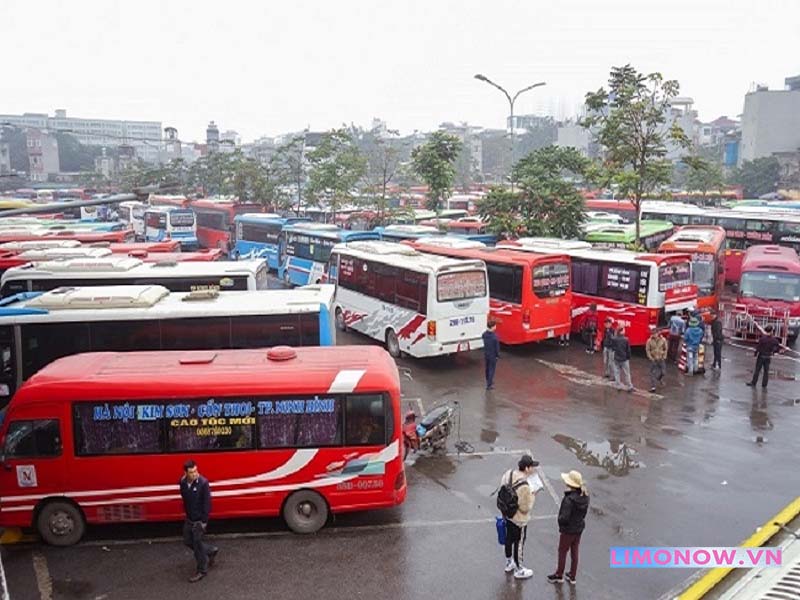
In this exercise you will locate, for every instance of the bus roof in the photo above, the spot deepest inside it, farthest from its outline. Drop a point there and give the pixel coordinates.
(622, 232)
(486, 254)
(403, 256)
(327, 369)
(409, 230)
(256, 217)
(594, 253)
(551, 244)
(330, 232)
(47, 254)
(39, 245)
(145, 302)
(87, 268)
(690, 237)
(167, 208)
(771, 258)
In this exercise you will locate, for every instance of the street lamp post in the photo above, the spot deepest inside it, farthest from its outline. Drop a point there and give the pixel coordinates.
(511, 99)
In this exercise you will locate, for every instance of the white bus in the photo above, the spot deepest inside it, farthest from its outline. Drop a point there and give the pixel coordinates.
(37, 331)
(171, 223)
(176, 277)
(418, 304)
(132, 213)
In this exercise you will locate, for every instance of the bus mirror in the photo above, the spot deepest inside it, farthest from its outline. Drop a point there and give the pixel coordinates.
(735, 288)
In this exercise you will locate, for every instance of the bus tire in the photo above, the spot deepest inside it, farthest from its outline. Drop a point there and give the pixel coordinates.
(305, 511)
(392, 344)
(340, 322)
(60, 523)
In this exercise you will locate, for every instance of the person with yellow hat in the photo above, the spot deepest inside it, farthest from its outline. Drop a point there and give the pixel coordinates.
(571, 523)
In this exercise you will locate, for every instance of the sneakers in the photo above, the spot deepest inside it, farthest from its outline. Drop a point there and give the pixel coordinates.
(652, 390)
(555, 578)
(570, 579)
(750, 384)
(510, 566)
(522, 573)
(196, 577)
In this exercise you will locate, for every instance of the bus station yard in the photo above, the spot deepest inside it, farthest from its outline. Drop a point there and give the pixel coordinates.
(701, 463)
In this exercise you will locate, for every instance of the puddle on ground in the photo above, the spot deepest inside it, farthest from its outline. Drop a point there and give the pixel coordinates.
(614, 456)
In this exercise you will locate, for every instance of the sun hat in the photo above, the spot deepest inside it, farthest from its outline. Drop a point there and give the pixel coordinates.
(573, 479)
(693, 322)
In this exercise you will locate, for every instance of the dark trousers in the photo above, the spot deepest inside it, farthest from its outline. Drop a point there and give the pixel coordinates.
(491, 365)
(673, 346)
(568, 542)
(761, 363)
(717, 353)
(589, 338)
(513, 541)
(193, 534)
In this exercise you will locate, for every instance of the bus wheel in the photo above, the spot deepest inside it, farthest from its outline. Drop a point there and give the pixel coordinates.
(392, 345)
(60, 523)
(305, 512)
(340, 324)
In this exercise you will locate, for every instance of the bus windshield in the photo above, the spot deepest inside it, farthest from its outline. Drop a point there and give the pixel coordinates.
(674, 275)
(550, 280)
(704, 273)
(770, 286)
(181, 218)
(463, 285)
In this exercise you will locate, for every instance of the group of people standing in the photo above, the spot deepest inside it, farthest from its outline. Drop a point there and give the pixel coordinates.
(571, 519)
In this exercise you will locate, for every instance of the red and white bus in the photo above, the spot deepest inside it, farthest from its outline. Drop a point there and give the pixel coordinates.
(530, 297)
(320, 435)
(86, 236)
(770, 287)
(635, 289)
(215, 220)
(706, 245)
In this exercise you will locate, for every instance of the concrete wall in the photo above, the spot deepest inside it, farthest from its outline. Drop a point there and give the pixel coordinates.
(770, 123)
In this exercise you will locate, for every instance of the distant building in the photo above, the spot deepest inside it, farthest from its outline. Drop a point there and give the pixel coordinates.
(5, 158)
(105, 165)
(42, 154)
(574, 135)
(172, 146)
(681, 112)
(471, 141)
(212, 138)
(771, 121)
(530, 122)
(144, 136)
(713, 133)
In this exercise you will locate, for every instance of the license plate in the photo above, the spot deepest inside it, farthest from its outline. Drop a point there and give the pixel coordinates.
(463, 347)
(551, 333)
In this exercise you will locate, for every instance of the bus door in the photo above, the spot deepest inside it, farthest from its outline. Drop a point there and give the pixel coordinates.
(32, 449)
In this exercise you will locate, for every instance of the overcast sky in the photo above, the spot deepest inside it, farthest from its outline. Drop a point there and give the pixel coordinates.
(264, 68)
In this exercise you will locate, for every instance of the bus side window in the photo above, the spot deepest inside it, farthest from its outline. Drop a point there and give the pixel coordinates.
(42, 344)
(366, 421)
(8, 373)
(28, 439)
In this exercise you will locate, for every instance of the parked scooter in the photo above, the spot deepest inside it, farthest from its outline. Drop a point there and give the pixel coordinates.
(431, 433)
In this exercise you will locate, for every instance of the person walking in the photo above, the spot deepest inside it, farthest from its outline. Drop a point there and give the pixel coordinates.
(656, 349)
(693, 338)
(767, 345)
(590, 328)
(677, 325)
(571, 523)
(717, 337)
(491, 352)
(622, 360)
(608, 348)
(517, 524)
(196, 495)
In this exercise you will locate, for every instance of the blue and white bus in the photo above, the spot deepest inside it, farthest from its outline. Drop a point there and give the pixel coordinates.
(171, 223)
(305, 248)
(257, 236)
(399, 233)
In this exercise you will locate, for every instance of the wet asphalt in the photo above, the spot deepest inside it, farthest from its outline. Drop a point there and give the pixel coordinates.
(701, 463)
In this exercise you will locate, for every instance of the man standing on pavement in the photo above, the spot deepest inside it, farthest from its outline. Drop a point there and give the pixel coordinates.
(622, 359)
(677, 326)
(491, 352)
(767, 346)
(196, 494)
(717, 338)
(693, 338)
(656, 349)
(608, 348)
(590, 328)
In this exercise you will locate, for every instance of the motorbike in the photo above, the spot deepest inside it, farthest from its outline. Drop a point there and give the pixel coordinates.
(431, 433)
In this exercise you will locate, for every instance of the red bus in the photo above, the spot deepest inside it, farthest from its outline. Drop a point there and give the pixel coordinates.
(635, 289)
(204, 255)
(623, 208)
(706, 245)
(215, 220)
(770, 288)
(467, 225)
(529, 294)
(86, 236)
(321, 434)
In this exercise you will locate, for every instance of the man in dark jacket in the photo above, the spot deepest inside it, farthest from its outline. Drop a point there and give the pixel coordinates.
(196, 495)
(622, 360)
(608, 348)
(590, 328)
(767, 346)
(491, 352)
(717, 338)
(571, 523)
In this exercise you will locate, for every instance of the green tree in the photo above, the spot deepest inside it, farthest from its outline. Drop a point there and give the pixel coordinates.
(336, 168)
(289, 167)
(383, 164)
(434, 163)
(703, 176)
(629, 121)
(759, 176)
(548, 202)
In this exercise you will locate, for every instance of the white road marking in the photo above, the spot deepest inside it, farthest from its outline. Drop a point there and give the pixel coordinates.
(326, 531)
(4, 595)
(43, 580)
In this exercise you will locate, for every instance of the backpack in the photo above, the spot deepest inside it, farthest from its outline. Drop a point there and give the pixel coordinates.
(507, 499)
